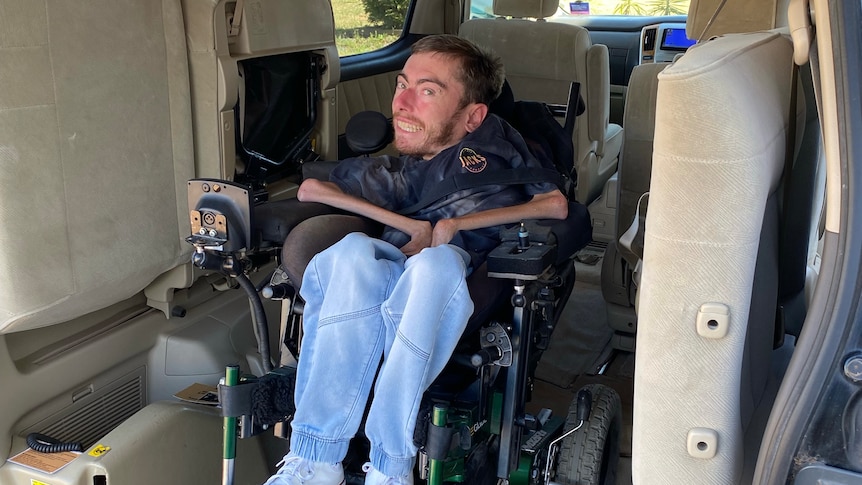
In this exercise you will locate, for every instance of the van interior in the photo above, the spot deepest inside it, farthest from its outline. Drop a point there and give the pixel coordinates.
(699, 156)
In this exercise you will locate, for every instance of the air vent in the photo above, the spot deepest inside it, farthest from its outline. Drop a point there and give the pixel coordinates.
(599, 246)
(92, 417)
(649, 35)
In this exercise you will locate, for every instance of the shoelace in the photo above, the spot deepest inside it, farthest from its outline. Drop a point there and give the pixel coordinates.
(294, 468)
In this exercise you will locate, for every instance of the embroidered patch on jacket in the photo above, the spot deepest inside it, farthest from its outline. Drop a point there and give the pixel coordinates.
(472, 161)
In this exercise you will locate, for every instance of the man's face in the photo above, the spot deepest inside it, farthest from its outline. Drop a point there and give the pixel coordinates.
(427, 110)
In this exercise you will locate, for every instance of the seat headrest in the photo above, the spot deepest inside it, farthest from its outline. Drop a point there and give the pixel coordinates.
(736, 16)
(538, 9)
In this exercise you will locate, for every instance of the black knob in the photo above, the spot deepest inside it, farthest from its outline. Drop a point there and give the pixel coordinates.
(485, 356)
(278, 292)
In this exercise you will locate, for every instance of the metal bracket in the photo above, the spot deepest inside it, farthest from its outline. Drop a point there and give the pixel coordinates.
(236, 20)
(496, 336)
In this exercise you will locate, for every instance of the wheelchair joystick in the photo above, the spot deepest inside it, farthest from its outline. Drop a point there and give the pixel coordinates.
(523, 238)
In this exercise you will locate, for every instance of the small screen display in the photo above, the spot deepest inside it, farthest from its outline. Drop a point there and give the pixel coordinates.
(675, 40)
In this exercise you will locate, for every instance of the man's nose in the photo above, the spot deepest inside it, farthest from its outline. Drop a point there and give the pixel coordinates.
(403, 100)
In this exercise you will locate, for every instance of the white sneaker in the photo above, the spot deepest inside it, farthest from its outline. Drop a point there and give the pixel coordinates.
(375, 477)
(296, 470)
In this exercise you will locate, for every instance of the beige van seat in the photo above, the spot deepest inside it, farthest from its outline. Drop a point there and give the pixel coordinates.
(542, 59)
(102, 137)
(95, 141)
(733, 16)
(633, 179)
(265, 28)
(708, 290)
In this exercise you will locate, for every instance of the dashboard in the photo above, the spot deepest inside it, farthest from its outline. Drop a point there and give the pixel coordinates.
(662, 42)
(624, 37)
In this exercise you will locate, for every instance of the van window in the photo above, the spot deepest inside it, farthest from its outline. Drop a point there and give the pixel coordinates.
(367, 25)
(568, 8)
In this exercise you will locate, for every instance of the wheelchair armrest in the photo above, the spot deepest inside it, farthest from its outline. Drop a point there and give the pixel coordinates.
(523, 257)
(552, 242)
(275, 220)
(318, 169)
(572, 233)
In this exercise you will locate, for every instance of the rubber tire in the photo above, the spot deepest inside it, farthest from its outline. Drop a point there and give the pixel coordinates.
(590, 455)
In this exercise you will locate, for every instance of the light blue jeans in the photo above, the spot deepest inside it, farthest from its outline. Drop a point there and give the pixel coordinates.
(365, 301)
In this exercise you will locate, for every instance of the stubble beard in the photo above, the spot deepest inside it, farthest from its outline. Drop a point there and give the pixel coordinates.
(435, 142)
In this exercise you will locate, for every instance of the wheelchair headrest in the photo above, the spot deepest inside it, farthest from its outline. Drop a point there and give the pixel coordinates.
(504, 105)
(368, 132)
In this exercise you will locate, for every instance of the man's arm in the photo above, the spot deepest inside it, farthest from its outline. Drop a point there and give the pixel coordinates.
(550, 205)
(328, 193)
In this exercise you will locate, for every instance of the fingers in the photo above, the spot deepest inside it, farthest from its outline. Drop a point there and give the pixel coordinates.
(409, 249)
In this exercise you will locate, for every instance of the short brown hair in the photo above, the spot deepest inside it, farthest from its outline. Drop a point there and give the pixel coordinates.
(481, 71)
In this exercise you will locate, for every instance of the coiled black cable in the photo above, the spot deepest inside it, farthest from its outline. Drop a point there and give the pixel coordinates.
(46, 444)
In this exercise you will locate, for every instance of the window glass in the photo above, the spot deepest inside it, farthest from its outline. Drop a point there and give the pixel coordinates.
(482, 8)
(367, 25)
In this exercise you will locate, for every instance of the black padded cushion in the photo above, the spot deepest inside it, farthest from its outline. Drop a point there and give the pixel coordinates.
(316, 234)
(274, 220)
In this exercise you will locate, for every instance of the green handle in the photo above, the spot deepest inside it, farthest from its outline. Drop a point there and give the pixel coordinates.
(439, 417)
(231, 378)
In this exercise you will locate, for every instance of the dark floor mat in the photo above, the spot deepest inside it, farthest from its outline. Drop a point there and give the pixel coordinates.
(580, 338)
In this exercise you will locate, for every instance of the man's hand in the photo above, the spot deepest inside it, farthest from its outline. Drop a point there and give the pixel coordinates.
(420, 233)
(444, 231)
(423, 235)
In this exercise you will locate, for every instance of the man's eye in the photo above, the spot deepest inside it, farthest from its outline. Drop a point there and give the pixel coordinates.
(428, 92)
(400, 85)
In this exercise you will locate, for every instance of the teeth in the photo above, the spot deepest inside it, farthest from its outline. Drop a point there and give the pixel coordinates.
(409, 127)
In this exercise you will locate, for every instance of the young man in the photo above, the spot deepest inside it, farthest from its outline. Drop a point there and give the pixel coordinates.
(403, 298)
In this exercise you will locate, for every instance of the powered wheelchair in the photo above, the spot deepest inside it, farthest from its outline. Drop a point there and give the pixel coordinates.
(473, 426)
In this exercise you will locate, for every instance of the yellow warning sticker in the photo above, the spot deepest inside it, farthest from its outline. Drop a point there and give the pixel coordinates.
(99, 450)
(33, 481)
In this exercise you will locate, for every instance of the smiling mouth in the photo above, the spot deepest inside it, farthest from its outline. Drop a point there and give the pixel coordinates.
(408, 127)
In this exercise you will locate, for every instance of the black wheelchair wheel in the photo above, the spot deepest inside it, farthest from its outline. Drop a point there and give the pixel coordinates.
(590, 455)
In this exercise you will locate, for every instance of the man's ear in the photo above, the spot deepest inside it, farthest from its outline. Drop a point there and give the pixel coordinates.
(476, 113)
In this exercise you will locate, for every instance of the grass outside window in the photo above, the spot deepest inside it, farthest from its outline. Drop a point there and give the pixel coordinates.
(354, 32)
